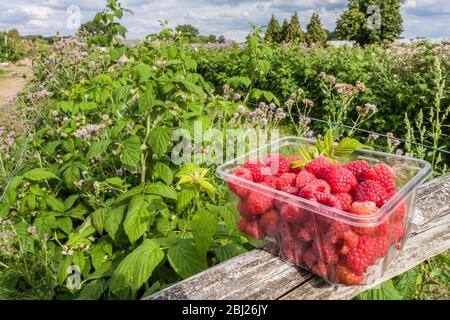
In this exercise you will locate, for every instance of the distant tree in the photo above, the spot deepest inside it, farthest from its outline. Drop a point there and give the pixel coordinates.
(212, 38)
(93, 27)
(370, 21)
(273, 32)
(315, 33)
(331, 35)
(294, 31)
(284, 30)
(221, 39)
(188, 30)
(14, 36)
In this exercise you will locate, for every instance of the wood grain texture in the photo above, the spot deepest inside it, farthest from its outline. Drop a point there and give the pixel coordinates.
(260, 275)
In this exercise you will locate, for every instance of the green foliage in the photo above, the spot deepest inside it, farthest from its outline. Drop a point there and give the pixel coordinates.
(293, 32)
(371, 21)
(273, 33)
(315, 33)
(187, 30)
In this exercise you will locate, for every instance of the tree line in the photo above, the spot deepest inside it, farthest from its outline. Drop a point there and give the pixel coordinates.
(364, 21)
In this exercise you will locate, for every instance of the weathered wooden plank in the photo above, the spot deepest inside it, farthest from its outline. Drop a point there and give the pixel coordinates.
(260, 275)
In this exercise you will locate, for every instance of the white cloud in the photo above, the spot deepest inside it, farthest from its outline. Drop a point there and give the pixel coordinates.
(230, 18)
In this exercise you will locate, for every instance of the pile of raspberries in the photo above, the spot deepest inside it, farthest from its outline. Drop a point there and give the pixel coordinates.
(339, 252)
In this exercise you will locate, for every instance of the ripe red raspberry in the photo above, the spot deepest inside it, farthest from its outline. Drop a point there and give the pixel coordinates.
(290, 190)
(320, 268)
(313, 187)
(271, 181)
(243, 173)
(252, 228)
(326, 251)
(358, 168)
(293, 214)
(291, 249)
(373, 191)
(291, 161)
(346, 276)
(365, 209)
(343, 236)
(310, 258)
(285, 180)
(383, 246)
(311, 229)
(258, 169)
(345, 200)
(319, 166)
(328, 199)
(384, 174)
(243, 210)
(269, 223)
(258, 203)
(396, 231)
(303, 178)
(278, 164)
(340, 179)
(400, 213)
(364, 255)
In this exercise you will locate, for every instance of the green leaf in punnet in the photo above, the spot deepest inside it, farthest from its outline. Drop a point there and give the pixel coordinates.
(203, 227)
(185, 259)
(347, 146)
(137, 267)
(131, 153)
(39, 174)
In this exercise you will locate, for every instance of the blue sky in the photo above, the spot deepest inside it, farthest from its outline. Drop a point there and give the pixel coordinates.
(428, 18)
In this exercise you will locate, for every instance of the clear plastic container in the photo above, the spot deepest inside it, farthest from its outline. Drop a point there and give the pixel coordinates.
(339, 246)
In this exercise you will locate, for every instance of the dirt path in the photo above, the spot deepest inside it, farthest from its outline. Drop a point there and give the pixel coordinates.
(11, 82)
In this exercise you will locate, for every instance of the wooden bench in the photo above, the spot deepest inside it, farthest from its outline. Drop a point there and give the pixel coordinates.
(260, 275)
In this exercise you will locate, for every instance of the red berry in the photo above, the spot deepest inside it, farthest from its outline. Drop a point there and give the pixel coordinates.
(252, 228)
(313, 187)
(326, 251)
(346, 276)
(383, 246)
(293, 214)
(307, 232)
(384, 174)
(340, 179)
(328, 199)
(396, 232)
(310, 258)
(271, 181)
(291, 161)
(320, 269)
(290, 190)
(364, 255)
(259, 170)
(373, 191)
(400, 213)
(345, 200)
(278, 164)
(241, 191)
(358, 168)
(292, 250)
(303, 178)
(243, 210)
(365, 209)
(342, 235)
(258, 203)
(319, 166)
(286, 180)
(269, 223)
